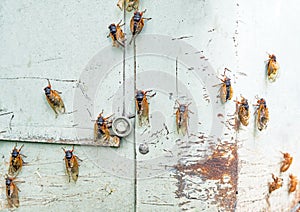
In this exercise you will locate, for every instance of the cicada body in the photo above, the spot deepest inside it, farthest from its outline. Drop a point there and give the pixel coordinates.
(293, 183)
(72, 166)
(54, 99)
(132, 5)
(142, 106)
(182, 117)
(101, 127)
(243, 111)
(116, 34)
(276, 184)
(226, 90)
(12, 192)
(272, 67)
(137, 24)
(16, 161)
(286, 163)
(262, 118)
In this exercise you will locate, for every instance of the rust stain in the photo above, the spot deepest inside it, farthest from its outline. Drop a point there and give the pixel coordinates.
(222, 167)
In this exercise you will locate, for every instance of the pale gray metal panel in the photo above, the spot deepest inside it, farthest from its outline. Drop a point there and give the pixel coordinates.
(259, 152)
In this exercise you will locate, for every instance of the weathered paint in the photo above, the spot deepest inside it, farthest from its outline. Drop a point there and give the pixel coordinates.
(66, 41)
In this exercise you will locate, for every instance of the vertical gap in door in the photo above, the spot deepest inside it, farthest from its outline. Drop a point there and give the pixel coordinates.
(134, 140)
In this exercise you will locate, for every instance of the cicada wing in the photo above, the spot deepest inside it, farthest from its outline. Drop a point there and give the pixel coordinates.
(58, 103)
(96, 132)
(177, 120)
(230, 93)
(244, 116)
(132, 26)
(12, 195)
(273, 68)
(74, 169)
(68, 168)
(120, 37)
(223, 93)
(15, 165)
(15, 197)
(258, 120)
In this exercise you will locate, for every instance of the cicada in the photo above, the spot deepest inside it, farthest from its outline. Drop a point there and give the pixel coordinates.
(54, 99)
(243, 111)
(286, 163)
(276, 184)
(16, 161)
(137, 24)
(130, 4)
(72, 166)
(293, 183)
(262, 111)
(226, 90)
(142, 106)
(272, 67)
(116, 34)
(182, 116)
(12, 192)
(101, 127)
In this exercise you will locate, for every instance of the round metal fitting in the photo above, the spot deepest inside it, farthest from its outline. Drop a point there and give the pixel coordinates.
(121, 126)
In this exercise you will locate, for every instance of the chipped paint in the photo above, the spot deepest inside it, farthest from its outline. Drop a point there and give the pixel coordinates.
(220, 168)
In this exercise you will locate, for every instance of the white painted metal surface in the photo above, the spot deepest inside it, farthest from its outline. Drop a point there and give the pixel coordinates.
(66, 42)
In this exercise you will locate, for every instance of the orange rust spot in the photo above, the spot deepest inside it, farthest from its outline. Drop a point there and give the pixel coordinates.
(221, 166)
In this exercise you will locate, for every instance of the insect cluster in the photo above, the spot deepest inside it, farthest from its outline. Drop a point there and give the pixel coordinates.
(136, 24)
(15, 166)
(103, 124)
(278, 182)
(242, 106)
(16, 163)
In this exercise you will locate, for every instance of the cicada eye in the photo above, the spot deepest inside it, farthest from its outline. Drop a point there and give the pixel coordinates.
(7, 181)
(182, 108)
(14, 153)
(100, 121)
(69, 154)
(227, 82)
(139, 96)
(112, 28)
(137, 16)
(47, 90)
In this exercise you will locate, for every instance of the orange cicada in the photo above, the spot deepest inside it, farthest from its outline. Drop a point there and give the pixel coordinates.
(130, 4)
(262, 114)
(142, 106)
(16, 161)
(272, 67)
(101, 127)
(116, 34)
(226, 91)
(293, 183)
(243, 111)
(54, 99)
(137, 24)
(286, 163)
(72, 166)
(276, 184)
(182, 116)
(12, 192)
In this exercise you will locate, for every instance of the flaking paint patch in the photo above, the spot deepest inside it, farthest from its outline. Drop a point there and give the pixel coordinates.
(294, 206)
(220, 171)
